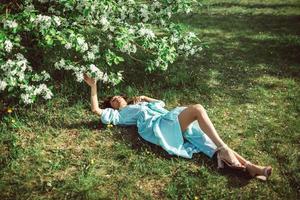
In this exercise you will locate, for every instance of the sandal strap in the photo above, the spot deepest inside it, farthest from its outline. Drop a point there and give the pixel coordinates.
(226, 148)
(222, 147)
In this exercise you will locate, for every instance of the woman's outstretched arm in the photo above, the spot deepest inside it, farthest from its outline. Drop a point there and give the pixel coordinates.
(143, 98)
(94, 98)
(148, 99)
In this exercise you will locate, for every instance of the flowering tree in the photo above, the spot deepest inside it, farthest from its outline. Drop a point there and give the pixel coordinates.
(91, 36)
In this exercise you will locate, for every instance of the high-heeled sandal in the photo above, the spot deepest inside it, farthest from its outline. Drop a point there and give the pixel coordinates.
(221, 160)
(267, 171)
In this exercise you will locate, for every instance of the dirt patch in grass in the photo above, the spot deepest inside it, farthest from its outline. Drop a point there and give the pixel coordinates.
(65, 140)
(25, 138)
(155, 187)
(64, 174)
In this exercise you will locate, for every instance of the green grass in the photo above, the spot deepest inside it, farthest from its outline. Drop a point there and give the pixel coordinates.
(248, 80)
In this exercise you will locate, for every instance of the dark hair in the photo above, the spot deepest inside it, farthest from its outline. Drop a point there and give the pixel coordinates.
(106, 102)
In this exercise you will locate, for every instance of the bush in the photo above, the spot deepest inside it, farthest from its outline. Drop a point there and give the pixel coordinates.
(86, 36)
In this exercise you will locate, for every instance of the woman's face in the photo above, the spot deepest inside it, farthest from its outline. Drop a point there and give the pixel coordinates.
(117, 102)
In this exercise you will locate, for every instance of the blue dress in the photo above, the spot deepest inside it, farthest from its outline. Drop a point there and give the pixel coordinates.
(161, 127)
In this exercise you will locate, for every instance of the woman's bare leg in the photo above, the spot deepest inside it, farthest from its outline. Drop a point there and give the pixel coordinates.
(197, 112)
(251, 168)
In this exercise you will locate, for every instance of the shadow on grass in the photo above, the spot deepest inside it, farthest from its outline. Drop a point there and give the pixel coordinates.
(259, 39)
(130, 137)
(90, 125)
(255, 5)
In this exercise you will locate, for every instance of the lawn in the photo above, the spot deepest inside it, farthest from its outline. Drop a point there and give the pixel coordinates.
(248, 79)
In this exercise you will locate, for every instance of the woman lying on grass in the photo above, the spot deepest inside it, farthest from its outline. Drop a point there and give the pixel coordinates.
(177, 131)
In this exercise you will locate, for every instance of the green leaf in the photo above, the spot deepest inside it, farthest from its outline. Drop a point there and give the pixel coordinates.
(52, 31)
(86, 12)
(2, 36)
(49, 40)
(10, 89)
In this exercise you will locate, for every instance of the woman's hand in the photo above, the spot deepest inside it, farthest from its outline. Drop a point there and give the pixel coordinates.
(138, 99)
(90, 81)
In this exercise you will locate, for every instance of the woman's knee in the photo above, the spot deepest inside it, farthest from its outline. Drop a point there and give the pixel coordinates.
(199, 109)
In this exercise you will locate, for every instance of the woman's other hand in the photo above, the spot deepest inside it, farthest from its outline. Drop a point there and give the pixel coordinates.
(90, 81)
(138, 99)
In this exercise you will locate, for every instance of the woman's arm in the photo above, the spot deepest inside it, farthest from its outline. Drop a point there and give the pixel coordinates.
(94, 98)
(94, 101)
(143, 98)
(148, 99)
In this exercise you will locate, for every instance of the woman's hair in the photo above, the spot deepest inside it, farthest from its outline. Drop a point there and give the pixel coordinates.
(106, 102)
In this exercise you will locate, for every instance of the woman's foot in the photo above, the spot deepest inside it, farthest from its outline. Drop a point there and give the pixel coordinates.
(226, 155)
(257, 171)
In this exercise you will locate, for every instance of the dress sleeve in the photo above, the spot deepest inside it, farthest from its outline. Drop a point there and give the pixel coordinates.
(158, 106)
(110, 116)
(158, 103)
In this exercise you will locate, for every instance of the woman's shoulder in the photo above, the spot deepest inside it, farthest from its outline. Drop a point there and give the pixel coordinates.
(109, 111)
(110, 115)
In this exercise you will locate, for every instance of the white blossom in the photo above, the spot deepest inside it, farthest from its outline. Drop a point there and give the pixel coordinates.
(91, 56)
(97, 73)
(169, 14)
(192, 51)
(192, 35)
(20, 56)
(174, 39)
(29, 7)
(80, 41)
(112, 28)
(117, 78)
(8, 46)
(131, 31)
(145, 13)
(68, 45)
(79, 76)
(45, 75)
(44, 21)
(93, 68)
(119, 75)
(57, 20)
(61, 64)
(22, 63)
(3, 85)
(146, 32)
(21, 75)
(156, 4)
(95, 49)
(43, 1)
(104, 78)
(188, 10)
(37, 91)
(84, 47)
(10, 24)
(26, 98)
(48, 95)
(104, 21)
